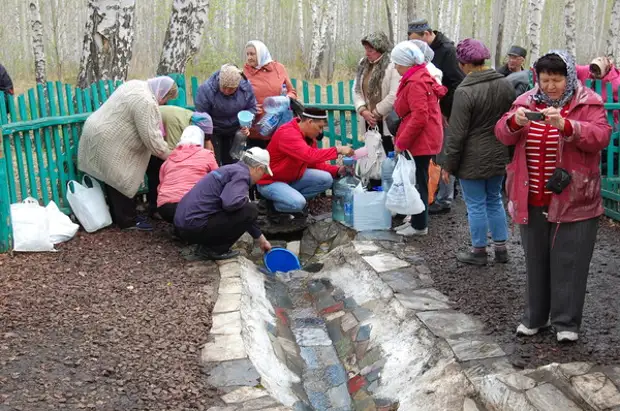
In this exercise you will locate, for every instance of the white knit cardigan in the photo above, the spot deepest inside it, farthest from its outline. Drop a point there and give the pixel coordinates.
(119, 138)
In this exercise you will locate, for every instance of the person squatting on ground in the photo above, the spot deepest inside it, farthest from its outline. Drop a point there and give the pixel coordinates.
(421, 129)
(268, 78)
(375, 85)
(445, 60)
(474, 154)
(300, 171)
(223, 96)
(118, 140)
(554, 188)
(183, 168)
(216, 212)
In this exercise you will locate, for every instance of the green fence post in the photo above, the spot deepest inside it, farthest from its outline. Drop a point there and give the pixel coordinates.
(343, 116)
(32, 102)
(6, 229)
(32, 176)
(330, 117)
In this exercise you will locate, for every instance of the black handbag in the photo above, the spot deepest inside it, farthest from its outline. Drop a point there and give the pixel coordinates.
(393, 122)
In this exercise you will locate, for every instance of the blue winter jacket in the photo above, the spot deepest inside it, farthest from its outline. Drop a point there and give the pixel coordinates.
(223, 109)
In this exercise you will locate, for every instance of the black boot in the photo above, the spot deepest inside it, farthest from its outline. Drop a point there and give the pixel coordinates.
(471, 257)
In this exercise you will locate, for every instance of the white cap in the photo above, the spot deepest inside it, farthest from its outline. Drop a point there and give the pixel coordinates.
(260, 156)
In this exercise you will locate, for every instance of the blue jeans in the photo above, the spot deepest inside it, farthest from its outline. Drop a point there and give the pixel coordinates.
(291, 198)
(445, 195)
(485, 210)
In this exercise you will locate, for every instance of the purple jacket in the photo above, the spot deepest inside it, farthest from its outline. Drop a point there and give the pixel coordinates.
(224, 189)
(223, 109)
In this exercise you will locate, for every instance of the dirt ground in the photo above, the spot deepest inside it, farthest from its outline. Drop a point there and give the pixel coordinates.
(494, 293)
(113, 321)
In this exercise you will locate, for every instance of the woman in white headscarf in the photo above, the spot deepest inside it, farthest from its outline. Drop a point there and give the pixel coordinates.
(268, 78)
(421, 129)
(119, 139)
(185, 165)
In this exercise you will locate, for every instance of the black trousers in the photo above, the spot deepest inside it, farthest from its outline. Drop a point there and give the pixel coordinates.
(122, 208)
(152, 172)
(222, 143)
(254, 142)
(420, 221)
(167, 212)
(223, 229)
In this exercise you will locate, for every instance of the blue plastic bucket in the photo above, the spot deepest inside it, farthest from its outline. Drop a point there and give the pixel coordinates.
(281, 259)
(245, 118)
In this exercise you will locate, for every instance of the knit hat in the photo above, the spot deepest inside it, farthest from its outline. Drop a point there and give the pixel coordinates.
(378, 41)
(418, 26)
(230, 76)
(471, 51)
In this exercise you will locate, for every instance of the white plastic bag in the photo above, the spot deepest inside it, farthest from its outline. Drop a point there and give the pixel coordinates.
(88, 204)
(30, 227)
(403, 197)
(369, 211)
(369, 167)
(61, 228)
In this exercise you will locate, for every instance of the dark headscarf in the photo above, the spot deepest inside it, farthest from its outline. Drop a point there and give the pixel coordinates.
(572, 82)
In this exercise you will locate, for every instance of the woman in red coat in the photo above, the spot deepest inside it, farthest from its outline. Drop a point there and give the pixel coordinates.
(421, 130)
(554, 188)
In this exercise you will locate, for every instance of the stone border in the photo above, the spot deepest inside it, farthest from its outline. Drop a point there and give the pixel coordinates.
(404, 286)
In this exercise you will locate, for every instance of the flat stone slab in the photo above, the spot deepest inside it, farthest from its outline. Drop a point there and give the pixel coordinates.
(226, 323)
(230, 285)
(234, 373)
(445, 324)
(227, 303)
(424, 300)
(597, 390)
(312, 336)
(243, 394)
(548, 397)
(498, 396)
(467, 349)
(405, 280)
(379, 235)
(385, 262)
(294, 247)
(366, 247)
(517, 381)
(230, 270)
(223, 348)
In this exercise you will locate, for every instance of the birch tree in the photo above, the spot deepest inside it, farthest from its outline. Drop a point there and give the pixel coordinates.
(395, 25)
(474, 13)
(533, 27)
(499, 16)
(300, 31)
(569, 27)
(108, 41)
(389, 20)
(411, 10)
(183, 36)
(457, 24)
(614, 32)
(37, 42)
(321, 15)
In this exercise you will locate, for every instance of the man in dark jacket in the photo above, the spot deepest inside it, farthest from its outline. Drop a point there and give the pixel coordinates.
(445, 60)
(6, 84)
(217, 210)
(516, 58)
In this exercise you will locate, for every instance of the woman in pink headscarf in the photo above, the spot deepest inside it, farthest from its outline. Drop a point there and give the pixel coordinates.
(119, 139)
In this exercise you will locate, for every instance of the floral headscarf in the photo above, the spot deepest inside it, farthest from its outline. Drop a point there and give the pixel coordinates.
(263, 56)
(572, 82)
(160, 86)
(230, 76)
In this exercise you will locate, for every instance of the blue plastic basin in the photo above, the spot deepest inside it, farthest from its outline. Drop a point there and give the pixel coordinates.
(281, 259)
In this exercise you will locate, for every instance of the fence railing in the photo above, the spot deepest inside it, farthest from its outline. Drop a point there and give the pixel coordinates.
(41, 130)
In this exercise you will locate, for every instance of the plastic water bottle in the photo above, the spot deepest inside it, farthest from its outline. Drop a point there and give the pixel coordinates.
(284, 90)
(342, 195)
(276, 104)
(387, 169)
(238, 145)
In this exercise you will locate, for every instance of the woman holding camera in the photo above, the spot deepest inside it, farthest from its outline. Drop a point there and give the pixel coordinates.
(554, 187)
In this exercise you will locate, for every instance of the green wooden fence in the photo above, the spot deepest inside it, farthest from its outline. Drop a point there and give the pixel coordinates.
(41, 129)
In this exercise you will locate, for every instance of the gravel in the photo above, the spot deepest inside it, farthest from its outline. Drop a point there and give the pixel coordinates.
(494, 293)
(113, 321)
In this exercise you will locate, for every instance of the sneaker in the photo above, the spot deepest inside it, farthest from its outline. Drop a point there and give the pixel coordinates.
(205, 253)
(501, 256)
(567, 336)
(411, 232)
(406, 223)
(469, 257)
(523, 330)
(435, 209)
(141, 225)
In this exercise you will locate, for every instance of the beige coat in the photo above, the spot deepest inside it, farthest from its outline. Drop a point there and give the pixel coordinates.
(119, 138)
(389, 86)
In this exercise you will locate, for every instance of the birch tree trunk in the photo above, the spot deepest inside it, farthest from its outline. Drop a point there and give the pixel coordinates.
(108, 41)
(457, 24)
(365, 13)
(411, 10)
(389, 20)
(533, 27)
(300, 19)
(499, 15)
(474, 13)
(395, 25)
(569, 27)
(448, 23)
(37, 42)
(319, 35)
(183, 36)
(614, 32)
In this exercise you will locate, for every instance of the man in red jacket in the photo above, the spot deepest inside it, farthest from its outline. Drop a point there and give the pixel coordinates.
(300, 171)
